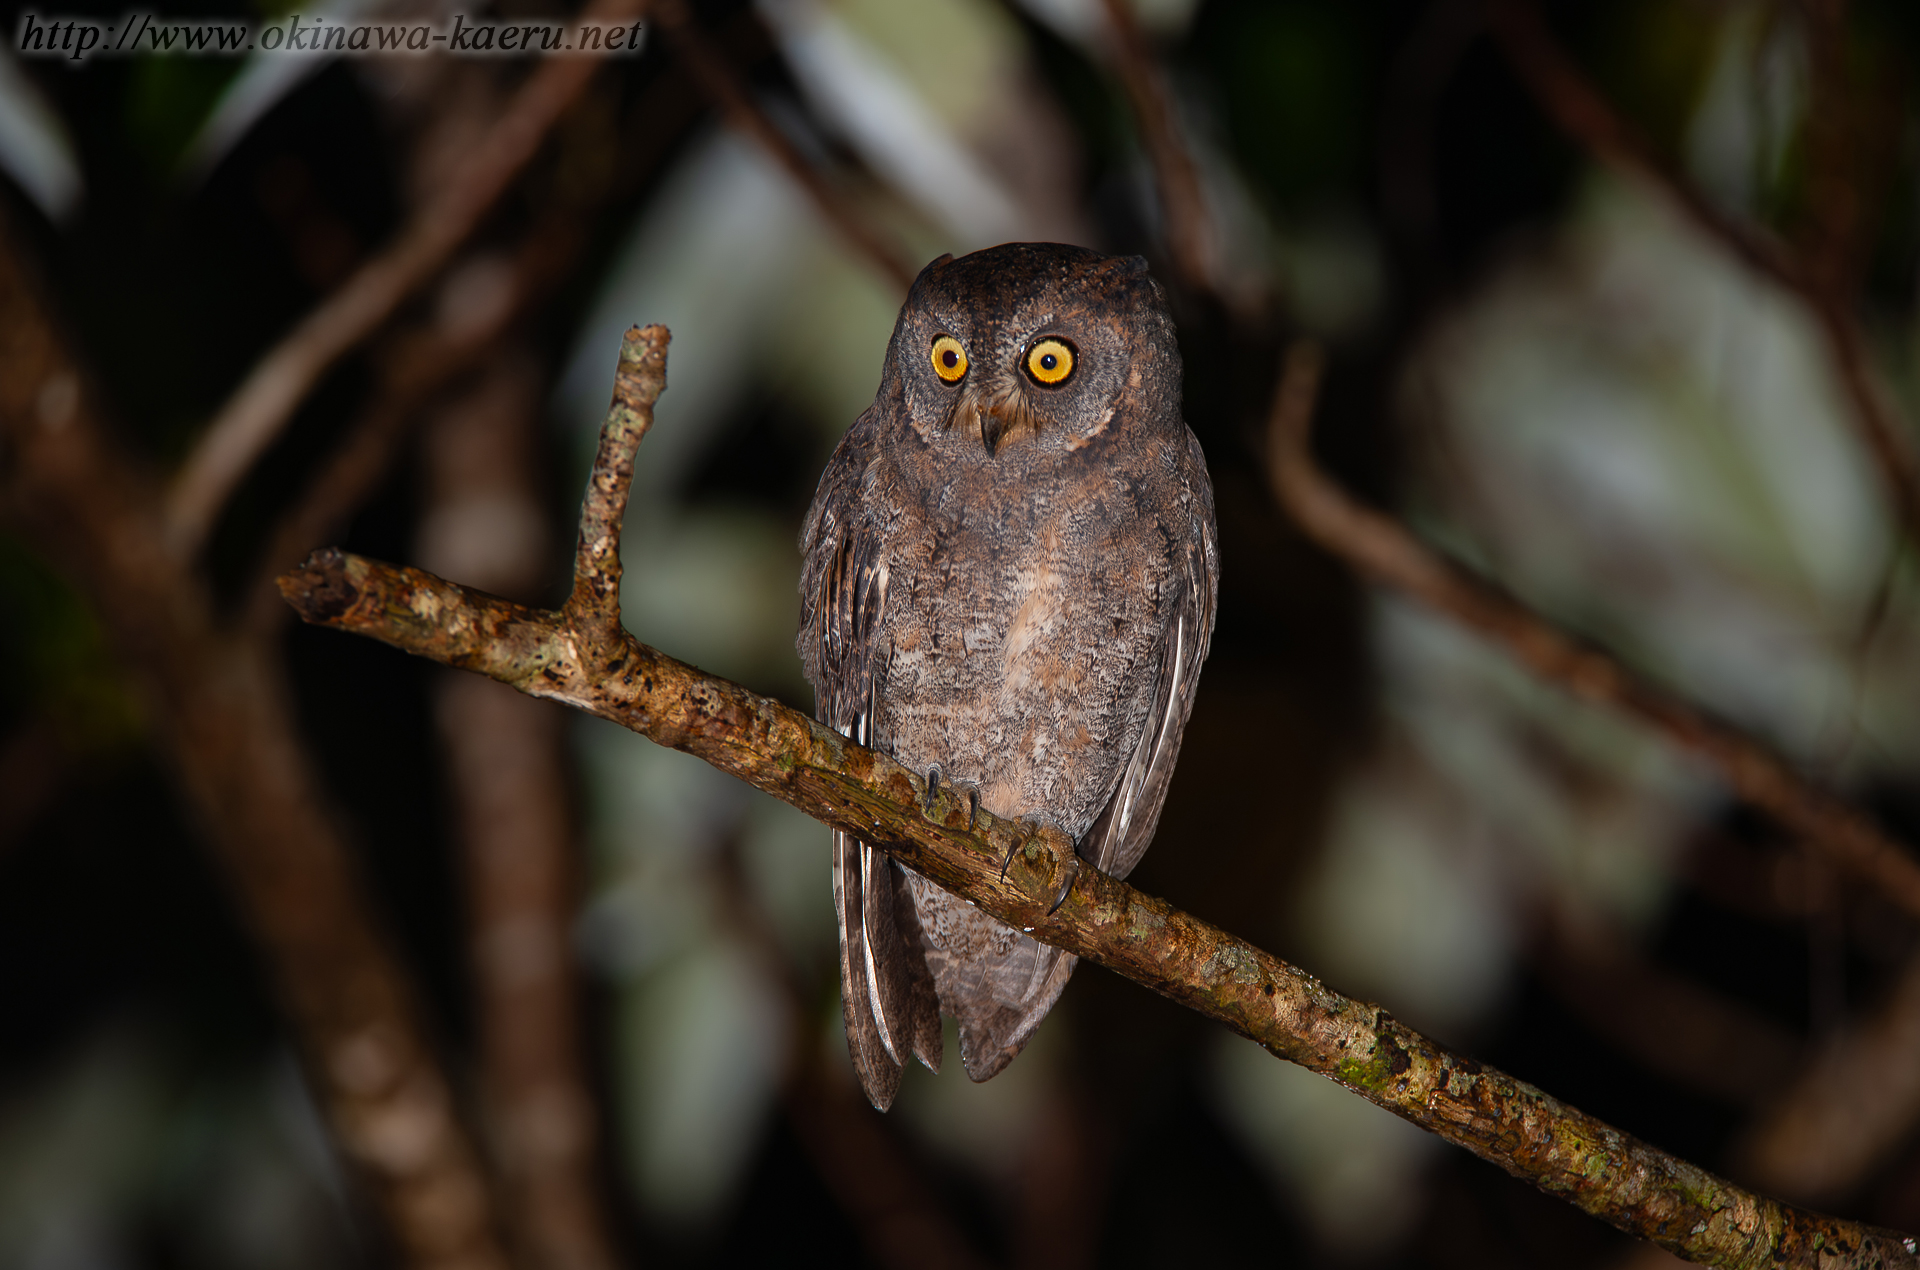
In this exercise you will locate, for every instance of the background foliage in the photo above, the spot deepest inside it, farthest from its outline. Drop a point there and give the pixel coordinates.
(1538, 362)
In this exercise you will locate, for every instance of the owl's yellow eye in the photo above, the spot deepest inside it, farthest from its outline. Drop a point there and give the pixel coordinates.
(1050, 361)
(949, 359)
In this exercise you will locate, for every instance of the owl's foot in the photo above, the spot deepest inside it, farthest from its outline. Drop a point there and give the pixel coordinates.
(1066, 888)
(934, 780)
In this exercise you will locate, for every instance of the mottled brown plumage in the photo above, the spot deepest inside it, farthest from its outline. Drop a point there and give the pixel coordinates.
(1009, 583)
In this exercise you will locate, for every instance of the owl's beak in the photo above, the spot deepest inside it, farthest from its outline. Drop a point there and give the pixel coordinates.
(1003, 416)
(993, 426)
(1000, 416)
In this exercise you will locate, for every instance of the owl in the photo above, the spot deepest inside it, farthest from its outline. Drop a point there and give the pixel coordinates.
(1009, 584)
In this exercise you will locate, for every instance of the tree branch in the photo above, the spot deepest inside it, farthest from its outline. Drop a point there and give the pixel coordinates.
(1380, 547)
(256, 412)
(1849, 1110)
(222, 708)
(717, 80)
(1014, 871)
(1177, 180)
(507, 777)
(874, 1181)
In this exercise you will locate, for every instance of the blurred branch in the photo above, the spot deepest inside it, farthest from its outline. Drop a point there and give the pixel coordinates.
(1176, 178)
(509, 785)
(870, 1177)
(1381, 548)
(481, 299)
(1834, 201)
(877, 1185)
(222, 707)
(507, 777)
(579, 654)
(1064, 1180)
(1585, 116)
(257, 411)
(722, 86)
(416, 368)
(1770, 881)
(1671, 1025)
(1851, 1108)
(1871, 411)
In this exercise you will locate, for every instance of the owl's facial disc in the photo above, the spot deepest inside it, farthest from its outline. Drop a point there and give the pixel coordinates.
(1008, 409)
(998, 403)
(989, 404)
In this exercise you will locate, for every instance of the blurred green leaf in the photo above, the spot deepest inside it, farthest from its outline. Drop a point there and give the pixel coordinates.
(168, 99)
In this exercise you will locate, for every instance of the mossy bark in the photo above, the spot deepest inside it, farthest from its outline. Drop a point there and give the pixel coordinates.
(1029, 877)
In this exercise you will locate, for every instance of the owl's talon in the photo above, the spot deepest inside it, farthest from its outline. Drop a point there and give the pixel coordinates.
(1029, 827)
(1073, 875)
(971, 790)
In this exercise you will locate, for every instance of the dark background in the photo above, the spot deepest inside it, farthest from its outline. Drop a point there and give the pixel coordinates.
(149, 1113)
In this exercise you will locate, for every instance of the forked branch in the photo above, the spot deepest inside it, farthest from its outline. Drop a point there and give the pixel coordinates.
(578, 654)
(259, 409)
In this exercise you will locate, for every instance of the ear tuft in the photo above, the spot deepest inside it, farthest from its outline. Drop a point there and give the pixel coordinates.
(927, 271)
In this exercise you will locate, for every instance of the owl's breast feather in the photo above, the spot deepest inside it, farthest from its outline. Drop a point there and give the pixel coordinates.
(1022, 632)
(1033, 654)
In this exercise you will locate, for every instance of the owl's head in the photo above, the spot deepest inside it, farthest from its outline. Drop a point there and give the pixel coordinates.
(1030, 348)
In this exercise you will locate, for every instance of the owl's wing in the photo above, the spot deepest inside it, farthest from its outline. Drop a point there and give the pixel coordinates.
(887, 993)
(1119, 835)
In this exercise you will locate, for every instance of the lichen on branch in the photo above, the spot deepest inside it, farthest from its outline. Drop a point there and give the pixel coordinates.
(1018, 873)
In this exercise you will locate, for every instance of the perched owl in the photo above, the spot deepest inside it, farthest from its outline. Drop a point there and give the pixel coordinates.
(1009, 585)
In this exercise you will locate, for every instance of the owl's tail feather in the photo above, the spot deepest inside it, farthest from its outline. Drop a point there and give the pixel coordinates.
(922, 1003)
(886, 991)
(996, 982)
(996, 1024)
